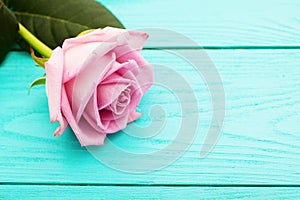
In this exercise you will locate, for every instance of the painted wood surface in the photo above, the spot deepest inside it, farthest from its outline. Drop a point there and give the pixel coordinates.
(214, 23)
(260, 142)
(259, 145)
(125, 192)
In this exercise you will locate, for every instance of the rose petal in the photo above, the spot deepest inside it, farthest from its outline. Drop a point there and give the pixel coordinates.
(127, 54)
(90, 136)
(67, 112)
(117, 124)
(107, 93)
(144, 75)
(83, 131)
(75, 57)
(133, 116)
(98, 35)
(107, 115)
(78, 49)
(54, 71)
(136, 38)
(87, 80)
(69, 89)
(63, 125)
(136, 96)
(91, 114)
(115, 72)
(137, 90)
(78, 59)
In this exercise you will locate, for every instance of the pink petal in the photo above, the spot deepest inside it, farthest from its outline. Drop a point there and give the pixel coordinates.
(91, 114)
(83, 131)
(67, 112)
(75, 57)
(107, 115)
(137, 90)
(134, 116)
(87, 80)
(145, 78)
(134, 39)
(69, 89)
(78, 49)
(115, 72)
(144, 75)
(107, 93)
(79, 57)
(137, 39)
(98, 35)
(90, 136)
(63, 125)
(117, 124)
(54, 71)
(136, 96)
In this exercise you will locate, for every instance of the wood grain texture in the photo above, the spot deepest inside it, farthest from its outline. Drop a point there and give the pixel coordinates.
(9, 192)
(260, 141)
(216, 23)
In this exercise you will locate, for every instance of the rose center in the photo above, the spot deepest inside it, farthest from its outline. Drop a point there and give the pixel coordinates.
(120, 104)
(124, 98)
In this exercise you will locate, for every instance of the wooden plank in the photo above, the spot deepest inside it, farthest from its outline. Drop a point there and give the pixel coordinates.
(216, 23)
(125, 192)
(259, 145)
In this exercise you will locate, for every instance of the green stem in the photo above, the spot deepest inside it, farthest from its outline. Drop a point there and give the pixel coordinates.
(34, 42)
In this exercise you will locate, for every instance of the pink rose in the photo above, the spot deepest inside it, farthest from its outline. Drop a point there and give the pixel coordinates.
(95, 82)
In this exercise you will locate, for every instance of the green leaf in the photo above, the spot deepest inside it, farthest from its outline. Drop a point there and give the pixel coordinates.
(54, 21)
(38, 81)
(9, 29)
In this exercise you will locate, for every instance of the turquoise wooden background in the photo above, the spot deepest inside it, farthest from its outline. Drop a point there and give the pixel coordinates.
(255, 46)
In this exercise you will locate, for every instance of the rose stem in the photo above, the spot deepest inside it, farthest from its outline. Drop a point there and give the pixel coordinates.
(34, 42)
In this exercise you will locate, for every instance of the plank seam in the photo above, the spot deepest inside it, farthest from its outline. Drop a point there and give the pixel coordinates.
(154, 185)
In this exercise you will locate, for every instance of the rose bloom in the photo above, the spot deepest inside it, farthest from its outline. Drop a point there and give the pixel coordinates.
(95, 82)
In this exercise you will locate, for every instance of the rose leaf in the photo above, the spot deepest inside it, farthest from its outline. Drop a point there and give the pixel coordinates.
(54, 21)
(9, 29)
